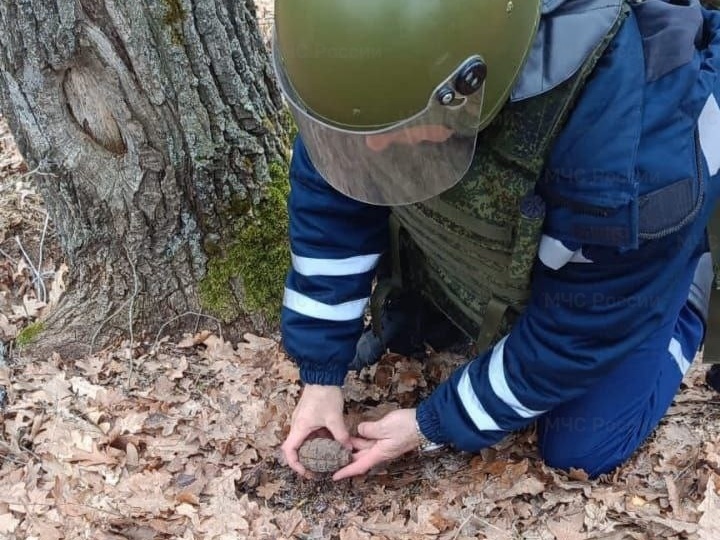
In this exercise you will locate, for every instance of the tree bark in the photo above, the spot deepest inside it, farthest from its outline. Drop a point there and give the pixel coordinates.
(159, 122)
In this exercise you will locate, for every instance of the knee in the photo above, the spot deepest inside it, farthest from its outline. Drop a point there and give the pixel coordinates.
(594, 453)
(565, 459)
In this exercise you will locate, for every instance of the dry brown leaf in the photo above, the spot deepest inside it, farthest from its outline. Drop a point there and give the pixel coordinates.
(8, 523)
(353, 533)
(131, 455)
(441, 521)
(32, 306)
(499, 530)
(83, 387)
(712, 453)
(493, 468)
(167, 448)
(91, 366)
(268, 490)
(159, 421)
(393, 529)
(674, 497)
(21, 268)
(254, 345)
(291, 523)
(539, 533)
(247, 456)
(408, 380)
(568, 527)
(674, 524)
(192, 340)
(382, 375)
(93, 457)
(188, 511)
(288, 371)
(219, 349)
(153, 503)
(559, 481)
(53, 391)
(423, 524)
(224, 514)
(709, 524)
(611, 497)
(514, 471)
(527, 486)
(46, 530)
(166, 391)
(187, 497)
(178, 369)
(57, 289)
(146, 492)
(9, 330)
(595, 517)
(131, 422)
(578, 474)
(623, 535)
(5, 376)
(554, 498)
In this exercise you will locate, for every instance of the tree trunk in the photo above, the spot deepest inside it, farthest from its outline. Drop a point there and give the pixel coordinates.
(161, 126)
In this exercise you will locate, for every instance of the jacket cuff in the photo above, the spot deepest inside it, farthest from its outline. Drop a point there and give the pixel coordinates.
(430, 424)
(325, 377)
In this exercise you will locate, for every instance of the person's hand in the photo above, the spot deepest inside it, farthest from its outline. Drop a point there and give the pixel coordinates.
(319, 407)
(383, 440)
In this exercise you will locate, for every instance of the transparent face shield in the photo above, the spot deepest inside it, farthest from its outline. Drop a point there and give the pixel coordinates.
(408, 162)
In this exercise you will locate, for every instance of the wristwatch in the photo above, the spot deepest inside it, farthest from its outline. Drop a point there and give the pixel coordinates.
(426, 445)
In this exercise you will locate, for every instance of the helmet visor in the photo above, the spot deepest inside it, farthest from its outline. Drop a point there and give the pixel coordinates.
(407, 162)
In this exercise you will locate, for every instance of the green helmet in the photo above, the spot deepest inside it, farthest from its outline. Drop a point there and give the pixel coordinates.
(389, 95)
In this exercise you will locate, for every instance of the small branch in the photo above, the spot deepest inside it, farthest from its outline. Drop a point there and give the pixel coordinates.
(461, 526)
(40, 285)
(40, 249)
(104, 322)
(136, 288)
(37, 171)
(13, 460)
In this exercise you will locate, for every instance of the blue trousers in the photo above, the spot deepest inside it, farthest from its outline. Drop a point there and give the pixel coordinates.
(603, 428)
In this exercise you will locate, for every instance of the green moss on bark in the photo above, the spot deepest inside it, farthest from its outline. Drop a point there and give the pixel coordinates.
(29, 334)
(174, 17)
(257, 259)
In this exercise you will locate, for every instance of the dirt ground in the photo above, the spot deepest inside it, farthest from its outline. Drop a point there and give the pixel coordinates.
(182, 441)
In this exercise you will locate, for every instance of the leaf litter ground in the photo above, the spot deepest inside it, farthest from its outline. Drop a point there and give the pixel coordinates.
(183, 443)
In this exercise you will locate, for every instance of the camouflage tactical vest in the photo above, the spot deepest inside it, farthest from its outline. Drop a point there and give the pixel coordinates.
(471, 250)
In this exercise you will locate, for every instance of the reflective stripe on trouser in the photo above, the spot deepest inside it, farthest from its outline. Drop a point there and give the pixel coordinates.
(602, 429)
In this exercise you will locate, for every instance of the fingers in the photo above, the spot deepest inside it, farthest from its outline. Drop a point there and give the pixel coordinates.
(361, 444)
(290, 447)
(371, 430)
(364, 461)
(340, 431)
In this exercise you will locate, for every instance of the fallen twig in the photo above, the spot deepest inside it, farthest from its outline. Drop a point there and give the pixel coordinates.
(136, 288)
(40, 254)
(40, 285)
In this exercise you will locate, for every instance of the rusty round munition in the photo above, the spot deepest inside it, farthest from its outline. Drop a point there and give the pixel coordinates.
(323, 455)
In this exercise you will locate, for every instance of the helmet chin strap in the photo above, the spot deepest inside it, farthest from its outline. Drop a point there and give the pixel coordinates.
(409, 135)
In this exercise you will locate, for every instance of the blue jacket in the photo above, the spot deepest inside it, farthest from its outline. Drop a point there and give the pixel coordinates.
(613, 263)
